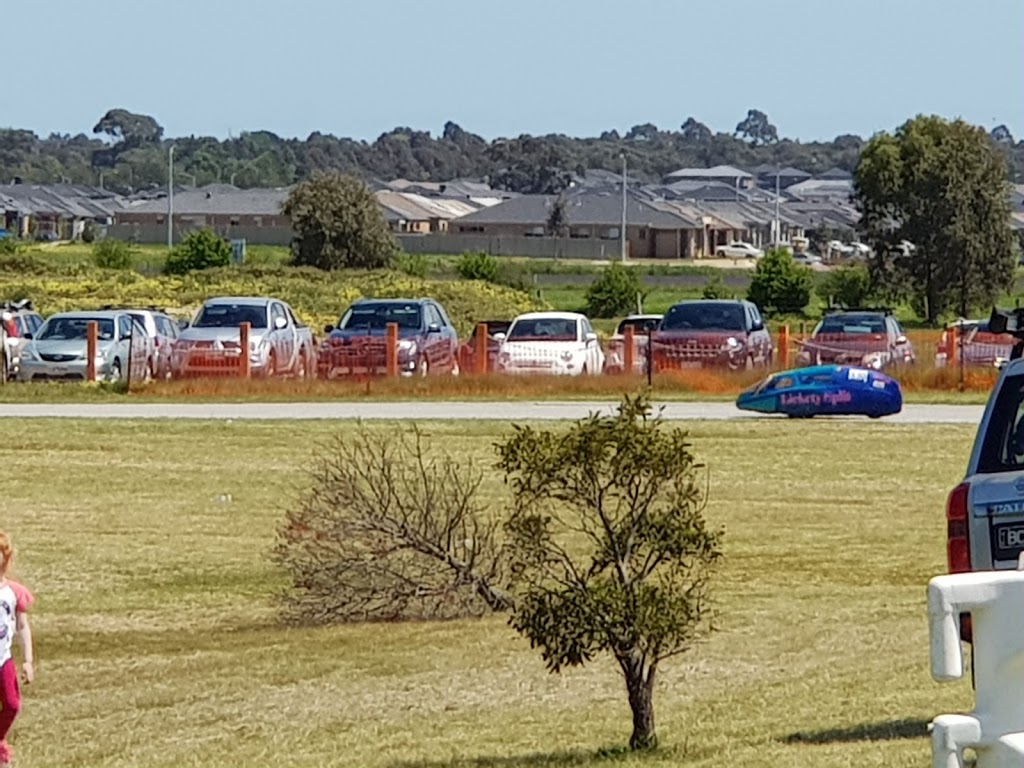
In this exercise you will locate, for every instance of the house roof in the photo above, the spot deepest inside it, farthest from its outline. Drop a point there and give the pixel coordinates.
(717, 172)
(839, 189)
(200, 202)
(62, 200)
(582, 209)
(789, 172)
(834, 174)
(413, 207)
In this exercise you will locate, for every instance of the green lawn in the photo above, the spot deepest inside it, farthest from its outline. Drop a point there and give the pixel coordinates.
(157, 643)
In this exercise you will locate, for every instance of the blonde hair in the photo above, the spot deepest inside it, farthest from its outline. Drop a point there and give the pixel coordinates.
(6, 553)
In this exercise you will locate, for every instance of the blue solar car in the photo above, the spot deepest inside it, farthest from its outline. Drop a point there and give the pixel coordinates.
(825, 390)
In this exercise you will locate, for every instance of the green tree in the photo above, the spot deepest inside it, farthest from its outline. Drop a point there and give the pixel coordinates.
(201, 249)
(715, 288)
(779, 284)
(557, 224)
(112, 254)
(338, 224)
(757, 128)
(847, 286)
(614, 291)
(934, 204)
(609, 549)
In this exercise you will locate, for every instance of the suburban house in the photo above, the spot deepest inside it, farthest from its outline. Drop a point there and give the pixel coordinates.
(770, 175)
(655, 228)
(58, 211)
(250, 214)
(411, 213)
(821, 190)
(723, 174)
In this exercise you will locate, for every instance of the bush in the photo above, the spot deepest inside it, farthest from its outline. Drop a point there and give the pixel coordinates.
(847, 287)
(780, 285)
(413, 264)
(89, 232)
(9, 246)
(202, 249)
(614, 292)
(715, 288)
(478, 266)
(112, 254)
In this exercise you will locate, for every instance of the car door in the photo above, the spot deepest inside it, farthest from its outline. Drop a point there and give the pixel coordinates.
(760, 338)
(282, 337)
(451, 338)
(434, 342)
(594, 354)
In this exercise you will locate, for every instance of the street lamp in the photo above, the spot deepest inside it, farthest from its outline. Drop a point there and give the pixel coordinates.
(778, 225)
(622, 230)
(170, 197)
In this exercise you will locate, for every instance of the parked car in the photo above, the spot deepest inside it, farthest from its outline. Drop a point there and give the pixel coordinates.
(981, 347)
(807, 258)
(739, 250)
(467, 352)
(562, 343)
(642, 325)
(427, 341)
(279, 343)
(59, 350)
(872, 338)
(711, 333)
(161, 332)
(838, 248)
(19, 321)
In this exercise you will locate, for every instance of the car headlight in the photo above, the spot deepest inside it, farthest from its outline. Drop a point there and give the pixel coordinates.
(873, 360)
(567, 356)
(28, 353)
(408, 346)
(731, 344)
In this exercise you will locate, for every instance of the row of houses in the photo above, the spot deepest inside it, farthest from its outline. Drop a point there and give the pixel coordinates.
(686, 215)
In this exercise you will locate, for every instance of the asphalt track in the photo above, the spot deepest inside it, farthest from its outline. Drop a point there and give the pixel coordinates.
(463, 410)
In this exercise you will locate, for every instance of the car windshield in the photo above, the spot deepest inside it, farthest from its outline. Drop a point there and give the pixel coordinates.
(231, 316)
(639, 324)
(852, 324)
(377, 316)
(543, 329)
(75, 328)
(702, 316)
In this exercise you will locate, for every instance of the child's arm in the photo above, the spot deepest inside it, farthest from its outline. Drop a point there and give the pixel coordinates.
(24, 634)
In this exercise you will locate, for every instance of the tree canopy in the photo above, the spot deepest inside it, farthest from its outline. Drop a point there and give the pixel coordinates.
(934, 204)
(129, 152)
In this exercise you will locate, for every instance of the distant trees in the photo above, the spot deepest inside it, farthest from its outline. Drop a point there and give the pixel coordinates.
(338, 224)
(934, 204)
(694, 131)
(757, 129)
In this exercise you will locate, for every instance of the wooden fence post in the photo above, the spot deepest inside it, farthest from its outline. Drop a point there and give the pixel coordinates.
(784, 346)
(629, 353)
(480, 353)
(245, 361)
(392, 350)
(92, 337)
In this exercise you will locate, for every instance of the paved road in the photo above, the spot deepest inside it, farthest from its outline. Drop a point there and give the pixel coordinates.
(521, 411)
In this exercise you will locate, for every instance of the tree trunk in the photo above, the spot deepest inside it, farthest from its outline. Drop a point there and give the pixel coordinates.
(641, 701)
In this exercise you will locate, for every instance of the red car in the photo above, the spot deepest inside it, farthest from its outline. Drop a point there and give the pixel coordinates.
(642, 325)
(872, 339)
(711, 334)
(981, 347)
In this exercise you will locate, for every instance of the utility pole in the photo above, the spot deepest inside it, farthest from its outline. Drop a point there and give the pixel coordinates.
(170, 197)
(622, 231)
(778, 224)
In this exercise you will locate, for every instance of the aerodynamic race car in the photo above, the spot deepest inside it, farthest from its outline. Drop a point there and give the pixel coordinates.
(825, 390)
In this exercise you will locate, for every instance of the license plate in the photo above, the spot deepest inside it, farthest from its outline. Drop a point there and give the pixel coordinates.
(59, 369)
(1007, 540)
(691, 364)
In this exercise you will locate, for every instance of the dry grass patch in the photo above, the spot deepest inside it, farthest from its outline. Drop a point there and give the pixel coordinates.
(158, 645)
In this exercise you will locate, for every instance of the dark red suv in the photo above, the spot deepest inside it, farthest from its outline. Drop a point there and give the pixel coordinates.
(711, 333)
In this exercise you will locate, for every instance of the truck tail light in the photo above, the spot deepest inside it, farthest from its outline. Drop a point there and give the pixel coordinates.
(958, 538)
(958, 543)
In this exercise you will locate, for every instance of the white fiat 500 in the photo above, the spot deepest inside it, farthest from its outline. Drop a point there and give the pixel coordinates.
(550, 342)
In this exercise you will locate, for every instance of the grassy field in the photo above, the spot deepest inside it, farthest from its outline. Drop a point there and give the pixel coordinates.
(157, 643)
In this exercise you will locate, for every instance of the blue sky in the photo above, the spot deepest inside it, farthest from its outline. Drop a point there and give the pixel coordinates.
(357, 68)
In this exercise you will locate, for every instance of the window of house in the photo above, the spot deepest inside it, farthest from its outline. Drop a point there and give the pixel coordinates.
(235, 221)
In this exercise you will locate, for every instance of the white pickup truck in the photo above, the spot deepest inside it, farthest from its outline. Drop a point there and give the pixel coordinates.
(279, 344)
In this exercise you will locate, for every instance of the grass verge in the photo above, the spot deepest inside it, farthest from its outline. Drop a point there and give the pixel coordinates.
(157, 644)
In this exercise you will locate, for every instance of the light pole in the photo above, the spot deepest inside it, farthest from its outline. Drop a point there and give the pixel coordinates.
(778, 225)
(170, 197)
(622, 230)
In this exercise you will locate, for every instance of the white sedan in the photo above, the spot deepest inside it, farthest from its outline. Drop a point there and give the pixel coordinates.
(739, 250)
(550, 342)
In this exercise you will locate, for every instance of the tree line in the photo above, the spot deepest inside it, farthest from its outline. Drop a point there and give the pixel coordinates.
(127, 152)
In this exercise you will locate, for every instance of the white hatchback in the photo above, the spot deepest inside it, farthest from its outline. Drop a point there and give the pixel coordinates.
(561, 343)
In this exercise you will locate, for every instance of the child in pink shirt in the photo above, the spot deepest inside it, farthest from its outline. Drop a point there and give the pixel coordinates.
(15, 601)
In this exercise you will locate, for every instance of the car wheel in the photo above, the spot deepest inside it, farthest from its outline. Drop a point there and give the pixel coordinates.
(115, 371)
(271, 364)
(150, 370)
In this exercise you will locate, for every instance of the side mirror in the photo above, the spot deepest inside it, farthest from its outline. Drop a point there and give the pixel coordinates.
(901, 339)
(183, 324)
(433, 328)
(280, 323)
(328, 328)
(499, 337)
(591, 337)
(28, 335)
